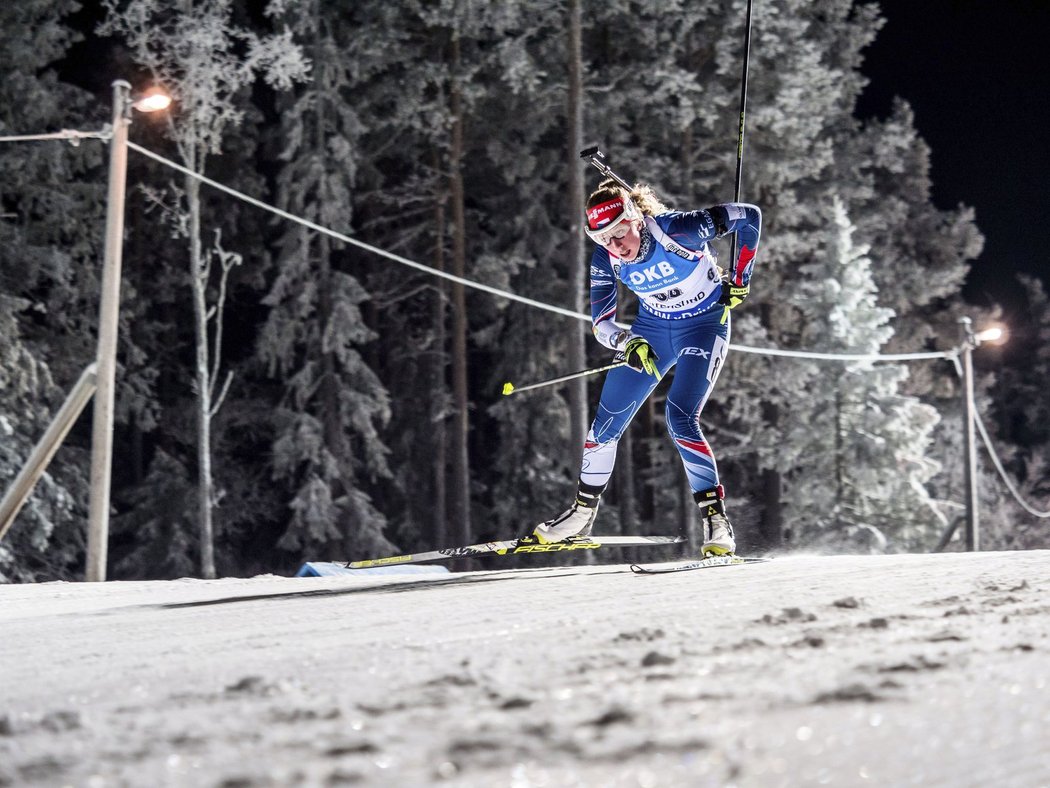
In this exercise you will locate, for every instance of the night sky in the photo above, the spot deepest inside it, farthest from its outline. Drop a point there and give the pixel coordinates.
(975, 73)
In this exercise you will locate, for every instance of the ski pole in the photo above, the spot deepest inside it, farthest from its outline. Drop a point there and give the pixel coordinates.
(597, 158)
(743, 110)
(509, 388)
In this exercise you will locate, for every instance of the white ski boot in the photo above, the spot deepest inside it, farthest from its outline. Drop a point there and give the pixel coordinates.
(577, 520)
(718, 532)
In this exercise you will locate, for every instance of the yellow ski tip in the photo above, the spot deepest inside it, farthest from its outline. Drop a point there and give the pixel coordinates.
(508, 388)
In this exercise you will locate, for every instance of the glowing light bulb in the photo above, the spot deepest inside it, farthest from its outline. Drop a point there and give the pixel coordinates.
(154, 100)
(991, 334)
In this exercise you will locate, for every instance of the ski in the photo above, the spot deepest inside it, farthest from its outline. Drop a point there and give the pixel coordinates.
(526, 544)
(703, 563)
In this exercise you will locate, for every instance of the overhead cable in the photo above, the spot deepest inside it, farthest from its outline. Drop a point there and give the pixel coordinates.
(75, 136)
(66, 134)
(1002, 472)
(353, 241)
(492, 290)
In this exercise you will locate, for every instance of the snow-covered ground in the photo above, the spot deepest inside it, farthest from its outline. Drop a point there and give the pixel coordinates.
(902, 670)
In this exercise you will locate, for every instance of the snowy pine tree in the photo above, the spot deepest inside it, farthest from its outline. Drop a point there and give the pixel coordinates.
(327, 450)
(859, 445)
(40, 544)
(52, 200)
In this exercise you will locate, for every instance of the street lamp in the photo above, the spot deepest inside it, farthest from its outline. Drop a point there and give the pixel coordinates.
(153, 100)
(972, 340)
(109, 309)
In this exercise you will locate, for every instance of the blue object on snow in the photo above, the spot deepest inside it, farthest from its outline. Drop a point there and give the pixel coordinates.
(331, 569)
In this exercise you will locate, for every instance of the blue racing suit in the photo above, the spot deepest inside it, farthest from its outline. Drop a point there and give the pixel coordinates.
(678, 285)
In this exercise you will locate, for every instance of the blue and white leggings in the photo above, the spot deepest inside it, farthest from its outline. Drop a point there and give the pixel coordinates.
(698, 346)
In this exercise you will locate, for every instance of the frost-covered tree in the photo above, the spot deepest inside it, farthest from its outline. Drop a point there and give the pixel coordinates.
(858, 446)
(463, 188)
(327, 450)
(543, 187)
(920, 252)
(382, 108)
(30, 550)
(51, 203)
(194, 50)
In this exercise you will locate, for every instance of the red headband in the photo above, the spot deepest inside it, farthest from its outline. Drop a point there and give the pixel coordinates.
(604, 213)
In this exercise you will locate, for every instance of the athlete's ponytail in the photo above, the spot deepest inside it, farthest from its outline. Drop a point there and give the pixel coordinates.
(642, 195)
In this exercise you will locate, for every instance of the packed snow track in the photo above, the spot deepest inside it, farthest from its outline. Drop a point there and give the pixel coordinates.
(847, 670)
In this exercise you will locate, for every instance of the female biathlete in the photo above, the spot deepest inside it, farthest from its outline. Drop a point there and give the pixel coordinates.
(683, 318)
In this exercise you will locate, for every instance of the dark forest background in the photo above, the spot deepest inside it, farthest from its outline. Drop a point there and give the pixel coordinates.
(353, 404)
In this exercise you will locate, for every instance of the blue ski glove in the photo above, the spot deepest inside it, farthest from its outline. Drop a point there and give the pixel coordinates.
(640, 355)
